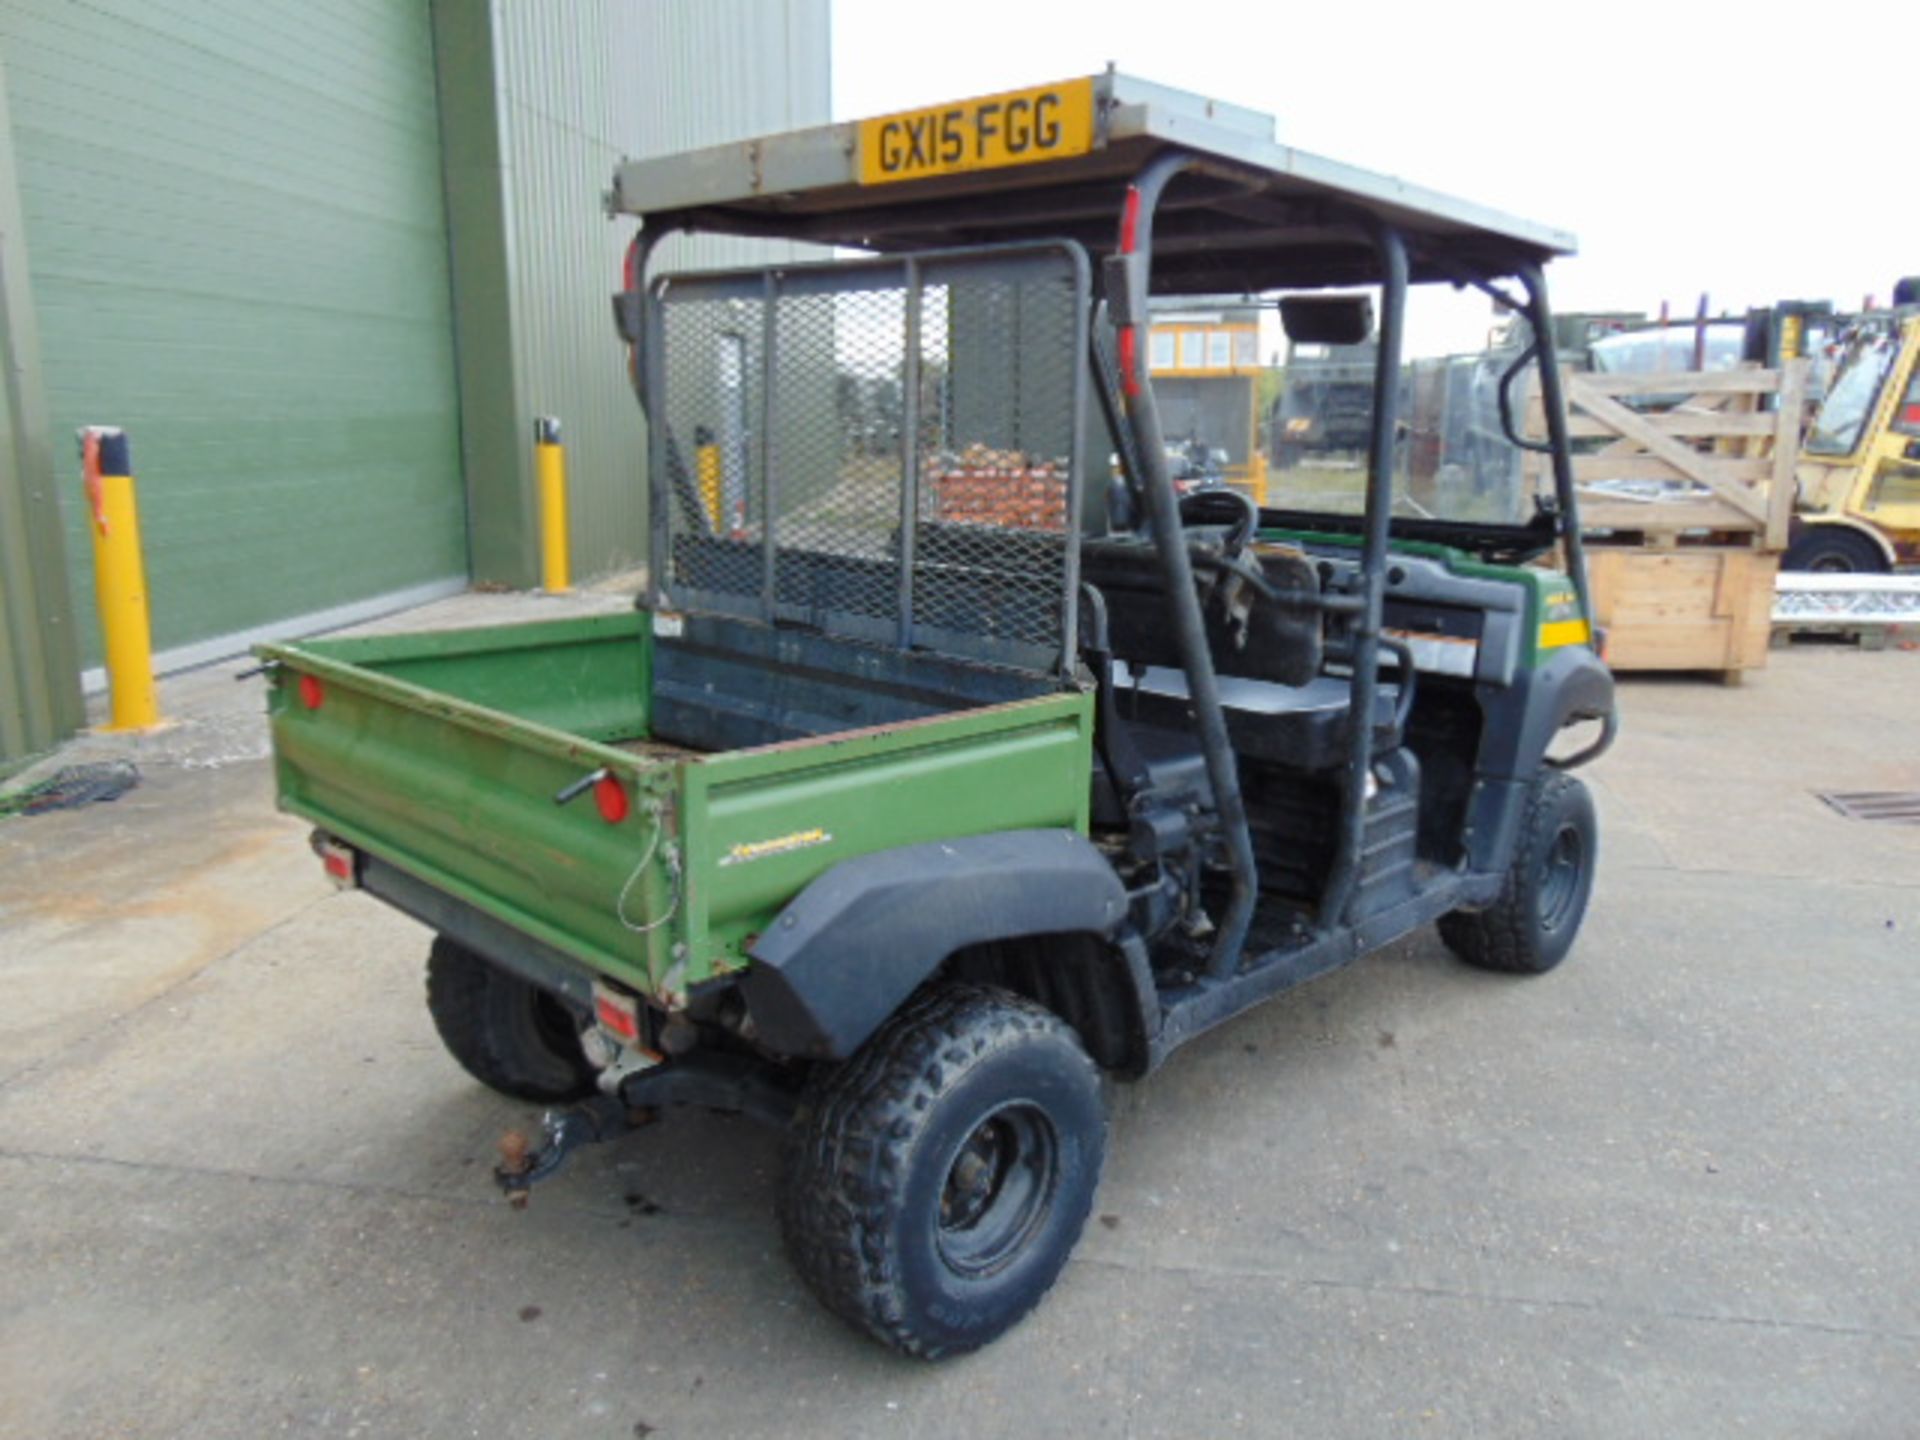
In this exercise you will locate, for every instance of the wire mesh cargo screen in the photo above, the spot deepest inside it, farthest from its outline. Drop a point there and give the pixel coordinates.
(886, 450)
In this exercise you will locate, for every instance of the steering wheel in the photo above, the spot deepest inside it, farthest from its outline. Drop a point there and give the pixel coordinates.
(1223, 507)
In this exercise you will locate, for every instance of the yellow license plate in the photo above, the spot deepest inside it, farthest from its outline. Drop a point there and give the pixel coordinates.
(1020, 127)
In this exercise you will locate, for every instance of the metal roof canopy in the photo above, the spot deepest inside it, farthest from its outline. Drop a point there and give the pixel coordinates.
(1250, 214)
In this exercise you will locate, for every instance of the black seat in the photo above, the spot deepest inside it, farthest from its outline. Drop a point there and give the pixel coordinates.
(1304, 726)
(1282, 639)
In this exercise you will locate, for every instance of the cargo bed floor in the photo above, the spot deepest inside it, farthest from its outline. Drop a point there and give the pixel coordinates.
(649, 749)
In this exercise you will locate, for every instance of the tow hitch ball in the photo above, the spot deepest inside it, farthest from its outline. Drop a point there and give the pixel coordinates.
(561, 1133)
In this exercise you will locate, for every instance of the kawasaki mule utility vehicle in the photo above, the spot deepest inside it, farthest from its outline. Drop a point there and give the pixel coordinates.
(943, 769)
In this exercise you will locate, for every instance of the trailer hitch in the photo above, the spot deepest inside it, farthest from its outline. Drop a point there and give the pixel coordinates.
(561, 1133)
(730, 1083)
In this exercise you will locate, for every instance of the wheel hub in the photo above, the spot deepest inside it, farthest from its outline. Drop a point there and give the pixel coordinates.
(970, 1184)
(1560, 878)
(998, 1189)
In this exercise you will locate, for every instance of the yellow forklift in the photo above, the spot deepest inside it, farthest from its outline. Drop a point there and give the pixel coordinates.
(1858, 510)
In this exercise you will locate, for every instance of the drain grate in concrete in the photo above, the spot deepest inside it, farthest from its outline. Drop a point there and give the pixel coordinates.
(1896, 807)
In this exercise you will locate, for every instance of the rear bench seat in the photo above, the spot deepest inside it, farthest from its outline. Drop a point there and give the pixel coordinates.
(1278, 706)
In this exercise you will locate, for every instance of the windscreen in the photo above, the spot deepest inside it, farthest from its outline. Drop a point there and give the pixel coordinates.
(1451, 457)
(1866, 356)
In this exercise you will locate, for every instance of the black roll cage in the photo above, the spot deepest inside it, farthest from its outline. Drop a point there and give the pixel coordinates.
(1128, 272)
(1124, 389)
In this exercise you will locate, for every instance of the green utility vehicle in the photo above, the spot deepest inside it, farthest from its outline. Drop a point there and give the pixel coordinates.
(939, 775)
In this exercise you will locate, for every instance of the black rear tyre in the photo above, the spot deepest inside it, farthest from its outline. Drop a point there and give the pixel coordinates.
(1834, 550)
(937, 1181)
(1531, 926)
(507, 1034)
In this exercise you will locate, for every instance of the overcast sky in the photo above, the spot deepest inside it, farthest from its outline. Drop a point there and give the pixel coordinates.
(1729, 148)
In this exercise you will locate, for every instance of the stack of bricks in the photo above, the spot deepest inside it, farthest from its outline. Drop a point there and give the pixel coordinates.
(1001, 487)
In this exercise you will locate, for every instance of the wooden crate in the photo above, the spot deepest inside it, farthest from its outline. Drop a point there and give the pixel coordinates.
(1710, 430)
(1692, 607)
(1685, 584)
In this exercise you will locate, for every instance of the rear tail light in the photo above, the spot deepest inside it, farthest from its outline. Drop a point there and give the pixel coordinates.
(611, 798)
(340, 861)
(617, 1012)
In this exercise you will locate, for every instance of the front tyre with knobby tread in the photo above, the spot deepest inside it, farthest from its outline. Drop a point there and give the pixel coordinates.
(936, 1182)
(1531, 926)
(510, 1036)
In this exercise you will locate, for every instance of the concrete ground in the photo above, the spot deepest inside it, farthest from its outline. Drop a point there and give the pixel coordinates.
(1668, 1190)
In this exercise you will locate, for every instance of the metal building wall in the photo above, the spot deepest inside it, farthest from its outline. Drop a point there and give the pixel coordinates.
(579, 85)
(240, 254)
(39, 665)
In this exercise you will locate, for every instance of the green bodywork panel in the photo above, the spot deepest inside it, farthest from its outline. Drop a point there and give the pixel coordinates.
(442, 753)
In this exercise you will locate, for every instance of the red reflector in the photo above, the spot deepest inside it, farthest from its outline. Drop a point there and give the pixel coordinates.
(1130, 359)
(1130, 220)
(623, 1019)
(310, 692)
(338, 861)
(611, 796)
(1911, 416)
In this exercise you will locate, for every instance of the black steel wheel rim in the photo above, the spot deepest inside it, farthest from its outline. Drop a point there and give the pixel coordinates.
(998, 1187)
(1833, 563)
(1560, 878)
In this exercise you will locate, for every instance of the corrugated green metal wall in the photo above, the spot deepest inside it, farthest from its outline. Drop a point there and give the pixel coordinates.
(240, 254)
(577, 86)
(325, 259)
(39, 675)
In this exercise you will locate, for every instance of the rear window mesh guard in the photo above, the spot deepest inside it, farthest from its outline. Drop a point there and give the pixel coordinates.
(888, 450)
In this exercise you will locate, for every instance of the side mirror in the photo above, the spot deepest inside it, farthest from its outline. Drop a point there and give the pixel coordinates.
(1327, 319)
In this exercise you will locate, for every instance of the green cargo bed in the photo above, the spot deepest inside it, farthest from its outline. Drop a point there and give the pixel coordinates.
(442, 753)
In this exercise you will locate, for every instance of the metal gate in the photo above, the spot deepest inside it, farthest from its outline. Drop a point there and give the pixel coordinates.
(888, 450)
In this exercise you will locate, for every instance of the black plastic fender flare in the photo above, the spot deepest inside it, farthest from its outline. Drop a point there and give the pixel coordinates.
(1571, 685)
(856, 942)
(1578, 687)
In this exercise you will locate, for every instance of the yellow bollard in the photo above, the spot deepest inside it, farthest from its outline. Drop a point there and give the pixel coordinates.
(706, 469)
(550, 465)
(120, 578)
